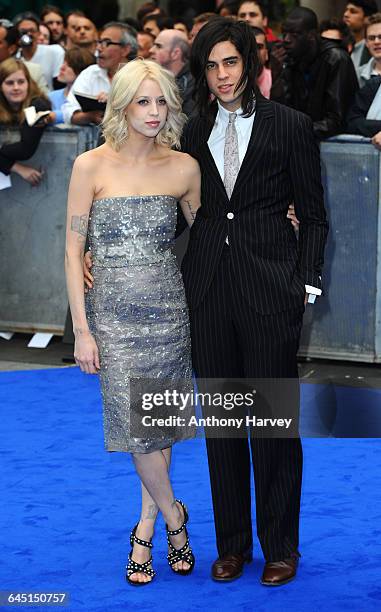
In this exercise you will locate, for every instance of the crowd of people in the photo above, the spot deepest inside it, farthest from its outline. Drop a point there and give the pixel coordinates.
(331, 71)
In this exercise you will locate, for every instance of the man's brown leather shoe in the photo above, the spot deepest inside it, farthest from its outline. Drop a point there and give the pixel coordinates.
(277, 573)
(229, 567)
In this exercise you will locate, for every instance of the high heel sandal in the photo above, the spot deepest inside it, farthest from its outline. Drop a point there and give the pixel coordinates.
(185, 552)
(133, 567)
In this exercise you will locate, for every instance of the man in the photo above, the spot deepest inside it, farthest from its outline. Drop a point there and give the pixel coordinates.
(373, 43)
(116, 45)
(355, 15)
(9, 37)
(171, 50)
(364, 116)
(53, 18)
(255, 14)
(269, 69)
(246, 280)
(71, 24)
(49, 57)
(85, 34)
(198, 23)
(145, 42)
(337, 30)
(319, 78)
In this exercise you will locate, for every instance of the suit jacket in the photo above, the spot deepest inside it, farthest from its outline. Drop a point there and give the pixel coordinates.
(282, 165)
(357, 123)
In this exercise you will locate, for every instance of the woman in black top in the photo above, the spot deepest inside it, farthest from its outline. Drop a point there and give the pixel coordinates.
(17, 91)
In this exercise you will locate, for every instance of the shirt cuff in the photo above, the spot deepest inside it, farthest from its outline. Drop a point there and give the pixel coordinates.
(312, 293)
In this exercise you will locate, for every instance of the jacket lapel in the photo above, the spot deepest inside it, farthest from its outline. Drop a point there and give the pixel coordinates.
(206, 158)
(260, 135)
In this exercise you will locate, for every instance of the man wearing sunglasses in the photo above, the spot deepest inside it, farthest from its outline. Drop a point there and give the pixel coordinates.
(116, 45)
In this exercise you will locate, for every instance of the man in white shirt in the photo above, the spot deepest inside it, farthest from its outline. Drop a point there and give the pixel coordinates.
(116, 45)
(8, 47)
(49, 57)
(247, 280)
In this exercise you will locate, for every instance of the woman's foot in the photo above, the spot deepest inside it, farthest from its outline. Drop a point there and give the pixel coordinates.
(140, 554)
(178, 541)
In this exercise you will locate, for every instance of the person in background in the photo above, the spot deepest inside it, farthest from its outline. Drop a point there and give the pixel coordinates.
(85, 34)
(264, 76)
(76, 60)
(71, 20)
(148, 8)
(333, 29)
(373, 43)
(49, 57)
(198, 23)
(255, 14)
(355, 15)
(171, 50)
(228, 8)
(9, 38)
(53, 18)
(318, 77)
(364, 116)
(117, 44)
(17, 91)
(154, 24)
(145, 42)
(182, 26)
(44, 37)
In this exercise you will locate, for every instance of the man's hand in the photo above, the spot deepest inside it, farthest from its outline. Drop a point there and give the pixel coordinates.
(291, 215)
(29, 174)
(102, 96)
(376, 140)
(87, 276)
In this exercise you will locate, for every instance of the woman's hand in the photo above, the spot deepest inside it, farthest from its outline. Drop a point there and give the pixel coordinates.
(292, 216)
(29, 174)
(86, 352)
(88, 277)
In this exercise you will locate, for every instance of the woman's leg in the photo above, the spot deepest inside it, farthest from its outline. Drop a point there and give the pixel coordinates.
(157, 494)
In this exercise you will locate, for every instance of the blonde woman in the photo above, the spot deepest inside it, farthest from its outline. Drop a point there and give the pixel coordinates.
(135, 324)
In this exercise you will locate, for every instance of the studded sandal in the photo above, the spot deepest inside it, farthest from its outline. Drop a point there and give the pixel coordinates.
(133, 567)
(185, 552)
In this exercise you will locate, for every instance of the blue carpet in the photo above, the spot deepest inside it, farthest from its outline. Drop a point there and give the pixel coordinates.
(68, 507)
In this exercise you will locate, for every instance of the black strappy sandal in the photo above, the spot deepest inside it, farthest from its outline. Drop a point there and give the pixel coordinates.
(133, 567)
(185, 552)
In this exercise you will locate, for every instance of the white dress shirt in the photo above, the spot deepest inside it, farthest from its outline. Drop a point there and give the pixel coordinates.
(216, 144)
(92, 81)
(50, 58)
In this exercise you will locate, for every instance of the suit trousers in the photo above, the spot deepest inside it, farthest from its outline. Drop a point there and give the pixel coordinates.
(231, 340)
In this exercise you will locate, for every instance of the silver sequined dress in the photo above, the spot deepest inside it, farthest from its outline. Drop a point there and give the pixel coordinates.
(137, 311)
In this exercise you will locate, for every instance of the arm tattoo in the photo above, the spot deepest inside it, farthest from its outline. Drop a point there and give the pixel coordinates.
(79, 225)
(192, 213)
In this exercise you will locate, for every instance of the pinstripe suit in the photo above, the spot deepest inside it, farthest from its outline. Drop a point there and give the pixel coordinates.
(246, 304)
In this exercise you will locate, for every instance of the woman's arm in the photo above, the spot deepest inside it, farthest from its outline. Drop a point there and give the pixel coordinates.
(81, 192)
(190, 202)
(25, 147)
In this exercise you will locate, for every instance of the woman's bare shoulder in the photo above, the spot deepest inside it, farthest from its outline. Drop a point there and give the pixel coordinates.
(185, 161)
(89, 160)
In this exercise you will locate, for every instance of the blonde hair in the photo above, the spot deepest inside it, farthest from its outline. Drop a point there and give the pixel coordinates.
(124, 86)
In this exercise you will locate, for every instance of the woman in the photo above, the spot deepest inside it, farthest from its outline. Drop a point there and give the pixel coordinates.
(17, 91)
(76, 60)
(123, 194)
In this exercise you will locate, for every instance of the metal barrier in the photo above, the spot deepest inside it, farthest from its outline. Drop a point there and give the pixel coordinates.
(346, 322)
(32, 234)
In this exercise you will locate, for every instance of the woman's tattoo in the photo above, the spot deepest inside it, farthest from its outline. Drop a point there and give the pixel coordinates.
(192, 213)
(151, 512)
(79, 224)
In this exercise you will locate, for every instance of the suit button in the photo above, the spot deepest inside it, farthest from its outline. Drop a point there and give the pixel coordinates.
(230, 215)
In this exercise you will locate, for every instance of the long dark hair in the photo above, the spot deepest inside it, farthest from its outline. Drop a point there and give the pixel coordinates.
(240, 34)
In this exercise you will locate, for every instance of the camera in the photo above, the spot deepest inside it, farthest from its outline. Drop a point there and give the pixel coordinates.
(25, 40)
